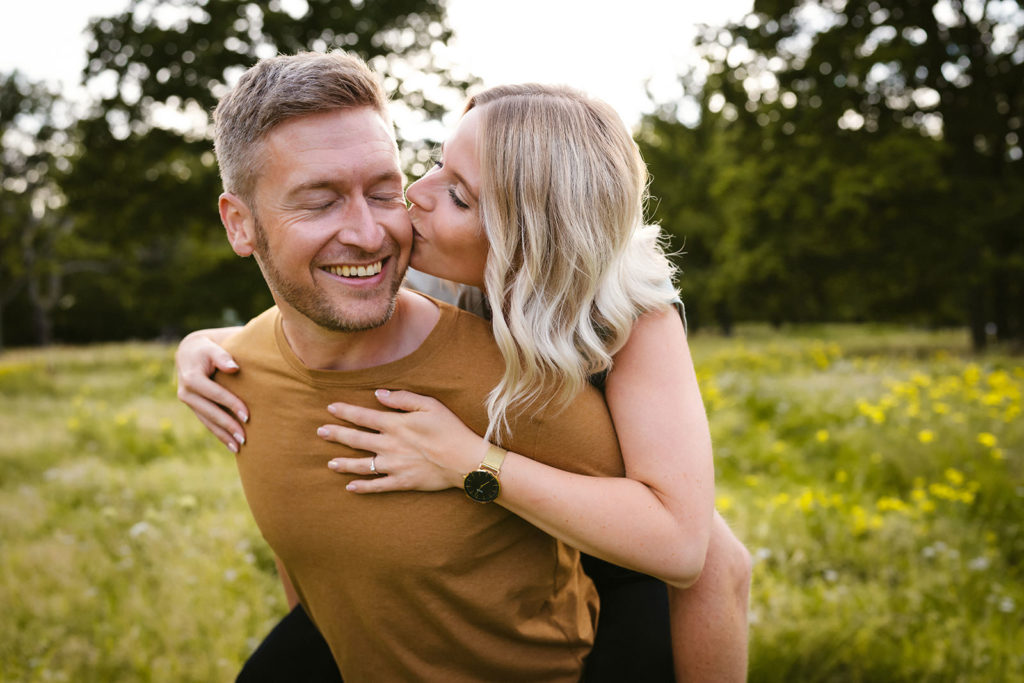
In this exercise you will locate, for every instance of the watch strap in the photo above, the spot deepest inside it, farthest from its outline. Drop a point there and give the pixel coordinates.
(493, 459)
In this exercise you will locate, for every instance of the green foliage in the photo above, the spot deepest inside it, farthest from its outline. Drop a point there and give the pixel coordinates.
(875, 475)
(853, 160)
(33, 235)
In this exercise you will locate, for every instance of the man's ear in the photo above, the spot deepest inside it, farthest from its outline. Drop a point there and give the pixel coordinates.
(239, 223)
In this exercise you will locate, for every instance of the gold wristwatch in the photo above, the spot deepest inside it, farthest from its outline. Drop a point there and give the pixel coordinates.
(482, 484)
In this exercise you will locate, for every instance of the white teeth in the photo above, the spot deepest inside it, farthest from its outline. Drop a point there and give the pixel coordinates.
(356, 271)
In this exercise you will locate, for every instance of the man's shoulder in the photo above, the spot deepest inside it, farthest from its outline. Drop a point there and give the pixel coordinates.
(457, 321)
(257, 335)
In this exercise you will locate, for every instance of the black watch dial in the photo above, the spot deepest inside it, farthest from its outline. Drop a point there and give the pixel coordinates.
(481, 486)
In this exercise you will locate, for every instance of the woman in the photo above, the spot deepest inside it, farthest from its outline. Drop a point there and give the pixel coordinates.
(538, 201)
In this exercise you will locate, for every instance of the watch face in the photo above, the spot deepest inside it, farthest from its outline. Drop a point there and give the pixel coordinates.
(481, 486)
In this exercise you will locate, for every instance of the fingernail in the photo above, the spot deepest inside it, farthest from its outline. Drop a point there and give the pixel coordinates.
(333, 464)
(232, 364)
(322, 431)
(382, 392)
(243, 416)
(233, 448)
(239, 438)
(331, 409)
(350, 487)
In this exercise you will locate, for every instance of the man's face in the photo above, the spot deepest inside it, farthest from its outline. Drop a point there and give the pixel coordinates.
(332, 235)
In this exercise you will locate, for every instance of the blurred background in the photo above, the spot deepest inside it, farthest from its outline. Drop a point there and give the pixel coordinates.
(814, 161)
(842, 180)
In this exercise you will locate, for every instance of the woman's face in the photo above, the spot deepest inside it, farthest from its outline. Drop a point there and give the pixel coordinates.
(449, 239)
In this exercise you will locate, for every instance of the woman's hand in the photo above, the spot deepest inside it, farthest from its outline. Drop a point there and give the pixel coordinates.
(197, 358)
(425, 448)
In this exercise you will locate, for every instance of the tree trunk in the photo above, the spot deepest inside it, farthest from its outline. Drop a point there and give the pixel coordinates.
(724, 316)
(976, 317)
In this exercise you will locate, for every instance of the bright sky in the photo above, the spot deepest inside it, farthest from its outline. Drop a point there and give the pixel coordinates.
(608, 48)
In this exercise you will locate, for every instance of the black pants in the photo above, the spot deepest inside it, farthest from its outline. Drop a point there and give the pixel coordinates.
(632, 641)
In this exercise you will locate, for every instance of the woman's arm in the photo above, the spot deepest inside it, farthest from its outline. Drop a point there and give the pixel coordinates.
(655, 521)
(198, 357)
(663, 432)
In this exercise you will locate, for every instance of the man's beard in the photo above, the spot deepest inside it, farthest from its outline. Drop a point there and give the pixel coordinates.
(312, 304)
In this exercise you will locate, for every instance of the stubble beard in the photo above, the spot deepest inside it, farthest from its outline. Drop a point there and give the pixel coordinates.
(313, 304)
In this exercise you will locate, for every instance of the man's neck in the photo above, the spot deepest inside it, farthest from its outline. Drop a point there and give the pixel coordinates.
(321, 349)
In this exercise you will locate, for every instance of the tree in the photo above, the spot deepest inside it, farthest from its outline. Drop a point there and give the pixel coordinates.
(34, 232)
(143, 187)
(883, 166)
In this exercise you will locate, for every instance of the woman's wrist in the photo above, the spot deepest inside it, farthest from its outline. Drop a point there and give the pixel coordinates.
(465, 459)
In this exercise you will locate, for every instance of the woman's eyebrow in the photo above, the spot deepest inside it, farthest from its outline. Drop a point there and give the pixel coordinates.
(462, 181)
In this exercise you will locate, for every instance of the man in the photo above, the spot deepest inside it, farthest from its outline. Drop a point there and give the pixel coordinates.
(406, 585)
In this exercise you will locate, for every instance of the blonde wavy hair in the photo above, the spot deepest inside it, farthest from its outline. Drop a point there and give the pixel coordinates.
(571, 263)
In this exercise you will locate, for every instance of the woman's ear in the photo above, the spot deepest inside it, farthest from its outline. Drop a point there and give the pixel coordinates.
(239, 223)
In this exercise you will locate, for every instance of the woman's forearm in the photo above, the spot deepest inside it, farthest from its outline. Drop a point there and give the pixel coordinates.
(618, 520)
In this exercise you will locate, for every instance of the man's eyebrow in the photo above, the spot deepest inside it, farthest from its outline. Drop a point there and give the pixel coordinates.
(388, 176)
(328, 184)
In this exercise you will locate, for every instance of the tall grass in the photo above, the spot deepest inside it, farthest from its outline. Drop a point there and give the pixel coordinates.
(128, 551)
(875, 475)
(879, 485)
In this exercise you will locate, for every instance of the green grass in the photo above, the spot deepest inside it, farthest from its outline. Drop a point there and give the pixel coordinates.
(875, 475)
(128, 551)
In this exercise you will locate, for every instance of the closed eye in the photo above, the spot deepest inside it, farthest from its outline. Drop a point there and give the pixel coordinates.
(455, 199)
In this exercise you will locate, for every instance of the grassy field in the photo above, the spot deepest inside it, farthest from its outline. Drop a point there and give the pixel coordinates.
(876, 476)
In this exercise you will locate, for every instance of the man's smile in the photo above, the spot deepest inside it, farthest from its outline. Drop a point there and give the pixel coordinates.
(364, 270)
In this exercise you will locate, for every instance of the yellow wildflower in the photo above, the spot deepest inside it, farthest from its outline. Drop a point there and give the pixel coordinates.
(821, 435)
(842, 477)
(954, 476)
(987, 439)
(889, 503)
(943, 491)
(926, 436)
(972, 374)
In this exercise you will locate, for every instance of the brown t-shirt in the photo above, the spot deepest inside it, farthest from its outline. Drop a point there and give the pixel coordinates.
(412, 585)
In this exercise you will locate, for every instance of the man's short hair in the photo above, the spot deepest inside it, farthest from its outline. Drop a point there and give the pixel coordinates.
(281, 88)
